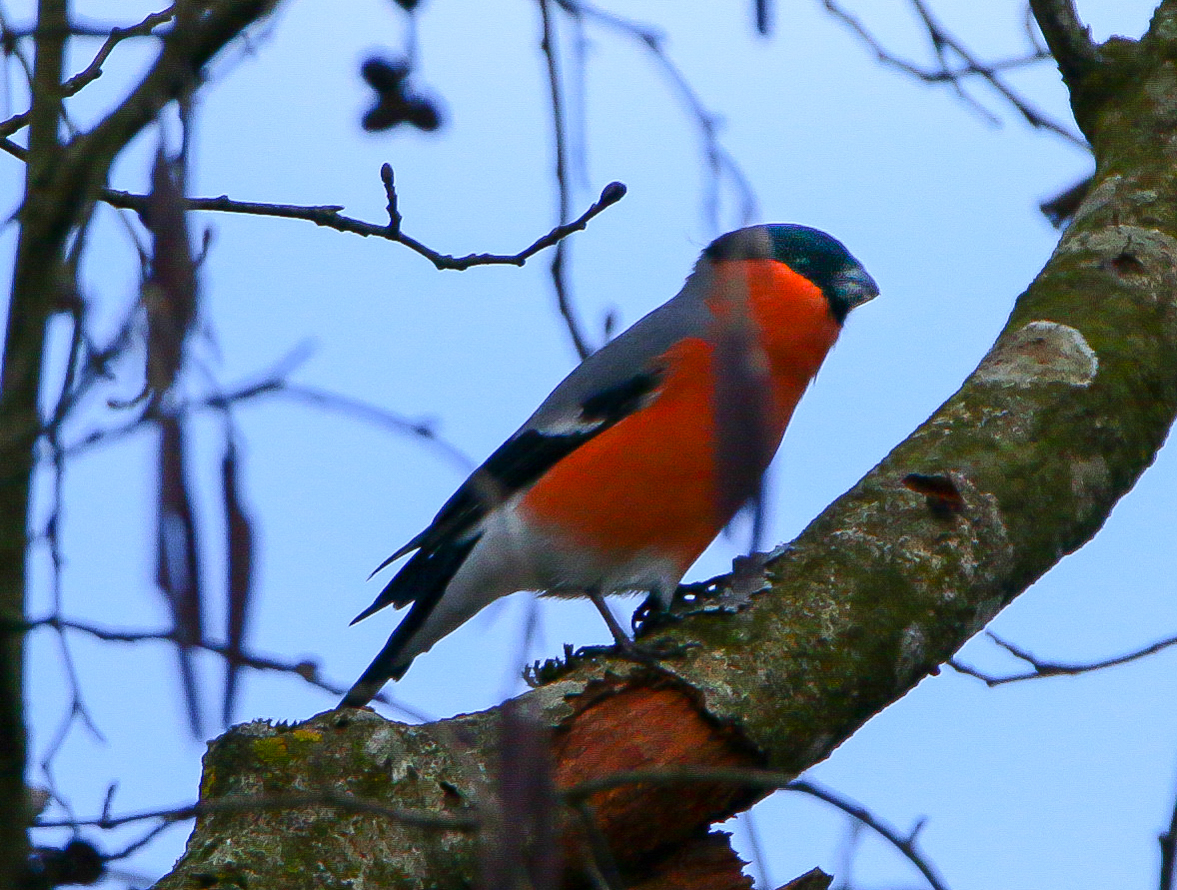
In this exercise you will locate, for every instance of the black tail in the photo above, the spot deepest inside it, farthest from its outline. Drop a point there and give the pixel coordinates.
(388, 665)
(425, 577)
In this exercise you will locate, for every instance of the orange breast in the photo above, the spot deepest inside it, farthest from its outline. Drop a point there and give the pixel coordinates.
(647, 484)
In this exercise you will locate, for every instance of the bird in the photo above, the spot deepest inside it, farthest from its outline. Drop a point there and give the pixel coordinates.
(642, 455)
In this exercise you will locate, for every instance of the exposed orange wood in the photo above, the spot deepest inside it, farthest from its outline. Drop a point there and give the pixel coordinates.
(708, 863)
(641, 727)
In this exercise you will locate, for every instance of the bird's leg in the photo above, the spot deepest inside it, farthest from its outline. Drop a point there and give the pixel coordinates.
(627, 647)
(620, 637)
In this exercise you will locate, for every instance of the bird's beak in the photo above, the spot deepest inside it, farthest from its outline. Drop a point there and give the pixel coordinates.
(855, 286)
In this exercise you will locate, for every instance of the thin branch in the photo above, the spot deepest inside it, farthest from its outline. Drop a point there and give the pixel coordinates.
(751, 778)
(71, 177)
(76, 710)
(764, 779)
(114, 36)
(95, 369)
(576, 82)
(550, 50)
(276, 385)
(719, 160)
(188, 47)
(942, 41)
(759, 860)
(306, 669)
(905, 844)
(139, 843)
(330, 216)
(73, 29)
(1168, 842)
(34, 287)
(603, 871)
(1065, 204)
(1068, 38)
(847, 852)
(420, 429)
(763, 13)
(1041, 668)
(17, 151)
(940, 46)
(551, 53)
(14, 49)
(218, 401)
(242, 803)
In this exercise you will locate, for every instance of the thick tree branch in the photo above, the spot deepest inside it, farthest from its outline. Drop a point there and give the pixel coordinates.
(1068, 38)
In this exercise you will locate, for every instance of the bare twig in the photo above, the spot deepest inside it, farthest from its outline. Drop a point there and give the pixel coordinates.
(63, 182)
(34, 288)
(139, 843)
(276, 385)
(76, 710)
(1065, 204)
(1041, 668)
(751, 778)
(719, 160)
(763, 13)
(759, 860)
(420, 429)
(243, 803)
(602, 869)
(73, 29)
(551, 52)
(905, 844)
(306, 669)
(847, 852)
(942, 42)
(114, 36)
(17, 151)
(765, 779)
(240, 545)
(12, 46)
(330, 216)
(520, 824)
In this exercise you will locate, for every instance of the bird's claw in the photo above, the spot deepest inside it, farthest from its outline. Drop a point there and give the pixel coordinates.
(650, 654)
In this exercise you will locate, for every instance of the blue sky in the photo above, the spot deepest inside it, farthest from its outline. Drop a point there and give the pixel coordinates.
(1064, 782)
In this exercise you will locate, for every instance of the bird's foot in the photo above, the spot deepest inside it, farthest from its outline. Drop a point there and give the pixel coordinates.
(650, 654)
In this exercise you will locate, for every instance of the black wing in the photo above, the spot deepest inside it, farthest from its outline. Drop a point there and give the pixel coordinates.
(518, 462)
